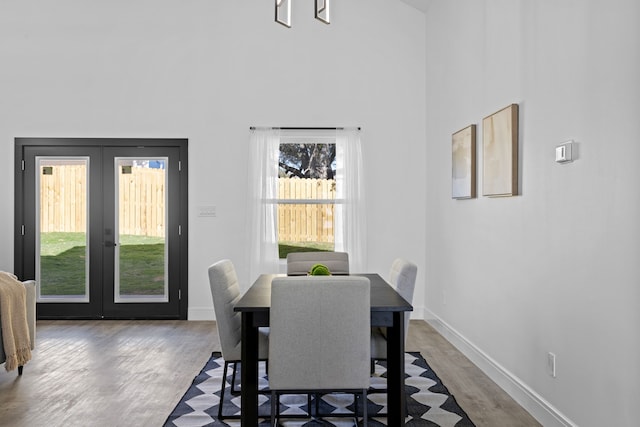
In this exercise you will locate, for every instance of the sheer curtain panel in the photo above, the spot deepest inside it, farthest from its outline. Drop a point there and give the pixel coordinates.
(263, 192)
(350, 215)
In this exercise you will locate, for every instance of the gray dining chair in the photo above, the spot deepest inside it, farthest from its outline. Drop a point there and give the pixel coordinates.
(319, 338)
(403, 279)
(225, 291)
(299, 263)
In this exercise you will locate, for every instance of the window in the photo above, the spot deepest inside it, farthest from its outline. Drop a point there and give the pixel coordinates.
(306, 194)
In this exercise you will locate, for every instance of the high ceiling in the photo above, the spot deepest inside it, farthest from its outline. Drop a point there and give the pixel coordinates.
(419, 4)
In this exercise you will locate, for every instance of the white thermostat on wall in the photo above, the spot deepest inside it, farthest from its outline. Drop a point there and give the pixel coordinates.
(563, 152)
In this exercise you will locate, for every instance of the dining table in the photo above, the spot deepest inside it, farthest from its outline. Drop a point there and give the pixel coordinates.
(387, 310)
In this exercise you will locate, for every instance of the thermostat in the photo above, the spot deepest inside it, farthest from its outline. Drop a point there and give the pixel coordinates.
(563, 152)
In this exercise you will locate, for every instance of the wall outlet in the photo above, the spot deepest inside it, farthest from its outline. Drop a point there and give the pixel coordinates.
(551, 364)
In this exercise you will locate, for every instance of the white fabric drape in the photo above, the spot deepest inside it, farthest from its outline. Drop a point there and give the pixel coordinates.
(263, 191)
(350, 215)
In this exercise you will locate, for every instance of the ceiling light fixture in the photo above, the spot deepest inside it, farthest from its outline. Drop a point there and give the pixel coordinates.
(283, 11)
(322, 11)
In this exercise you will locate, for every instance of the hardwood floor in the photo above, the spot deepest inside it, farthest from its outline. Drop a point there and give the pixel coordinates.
(132, 373)
(486, 404)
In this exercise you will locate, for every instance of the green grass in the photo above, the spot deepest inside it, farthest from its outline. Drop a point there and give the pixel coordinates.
(64, 272)
(286, 247)
(62, 267)
(142, 269)
(53, 244)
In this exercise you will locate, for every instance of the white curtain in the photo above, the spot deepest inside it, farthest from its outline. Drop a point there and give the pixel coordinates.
(264, 152)
(350, 215)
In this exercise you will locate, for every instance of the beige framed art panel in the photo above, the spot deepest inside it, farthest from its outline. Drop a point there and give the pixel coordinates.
(500, 153)
(463, 163)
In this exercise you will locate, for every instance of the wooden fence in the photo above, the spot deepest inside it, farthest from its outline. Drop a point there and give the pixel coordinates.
(306, 222)
(63, 206)
(142, 202)
(63, 202)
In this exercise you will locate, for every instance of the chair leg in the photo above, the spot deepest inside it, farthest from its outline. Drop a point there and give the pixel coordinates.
(224, 386)
(365, 415)
(274, 403)
(20, 369)
(233, 379)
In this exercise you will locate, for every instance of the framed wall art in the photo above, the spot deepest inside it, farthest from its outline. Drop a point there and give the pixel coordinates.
(463, 163)
(500, 153)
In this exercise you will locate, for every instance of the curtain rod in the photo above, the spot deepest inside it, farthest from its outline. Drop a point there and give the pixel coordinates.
(299, 128)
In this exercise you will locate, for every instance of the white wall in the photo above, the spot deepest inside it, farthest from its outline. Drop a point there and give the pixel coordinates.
(207, 70)
(556, 268)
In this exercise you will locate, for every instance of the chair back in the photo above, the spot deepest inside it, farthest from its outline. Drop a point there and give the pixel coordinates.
(225, 291)
(403, 278)
(319, 333)
(299, 263)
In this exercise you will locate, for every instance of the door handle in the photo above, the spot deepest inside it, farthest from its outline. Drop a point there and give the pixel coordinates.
(110, 244)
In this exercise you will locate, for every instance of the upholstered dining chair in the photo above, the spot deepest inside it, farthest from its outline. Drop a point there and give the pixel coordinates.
(225, 291)
(403, 279)
(299, 263)
(319, 337)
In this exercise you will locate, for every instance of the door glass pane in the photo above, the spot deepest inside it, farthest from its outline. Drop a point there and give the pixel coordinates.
(61, 229)
(141, 218)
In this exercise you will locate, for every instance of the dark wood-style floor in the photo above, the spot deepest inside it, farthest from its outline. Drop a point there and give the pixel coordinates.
(132, 373)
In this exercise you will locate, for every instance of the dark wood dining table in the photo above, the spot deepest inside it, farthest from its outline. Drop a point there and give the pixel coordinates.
(387, 309)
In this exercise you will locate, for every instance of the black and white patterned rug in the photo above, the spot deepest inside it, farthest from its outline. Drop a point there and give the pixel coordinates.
(429, 403)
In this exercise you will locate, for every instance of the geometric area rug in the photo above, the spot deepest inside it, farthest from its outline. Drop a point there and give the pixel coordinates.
(429, 403)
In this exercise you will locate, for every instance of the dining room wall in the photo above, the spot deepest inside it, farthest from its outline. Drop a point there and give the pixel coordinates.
(554, 269)
(207, 71)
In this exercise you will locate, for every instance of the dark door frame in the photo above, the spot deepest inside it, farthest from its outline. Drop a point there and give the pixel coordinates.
(183, 220)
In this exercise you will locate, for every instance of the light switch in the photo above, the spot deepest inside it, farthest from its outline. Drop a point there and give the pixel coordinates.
(207, 211)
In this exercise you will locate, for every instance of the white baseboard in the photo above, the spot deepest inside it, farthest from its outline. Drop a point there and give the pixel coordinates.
(201, 313)
(532, 402)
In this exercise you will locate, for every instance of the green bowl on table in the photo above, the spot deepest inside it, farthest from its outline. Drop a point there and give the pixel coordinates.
(319, 270)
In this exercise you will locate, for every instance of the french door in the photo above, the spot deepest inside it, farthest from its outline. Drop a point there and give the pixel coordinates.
(101, 226)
